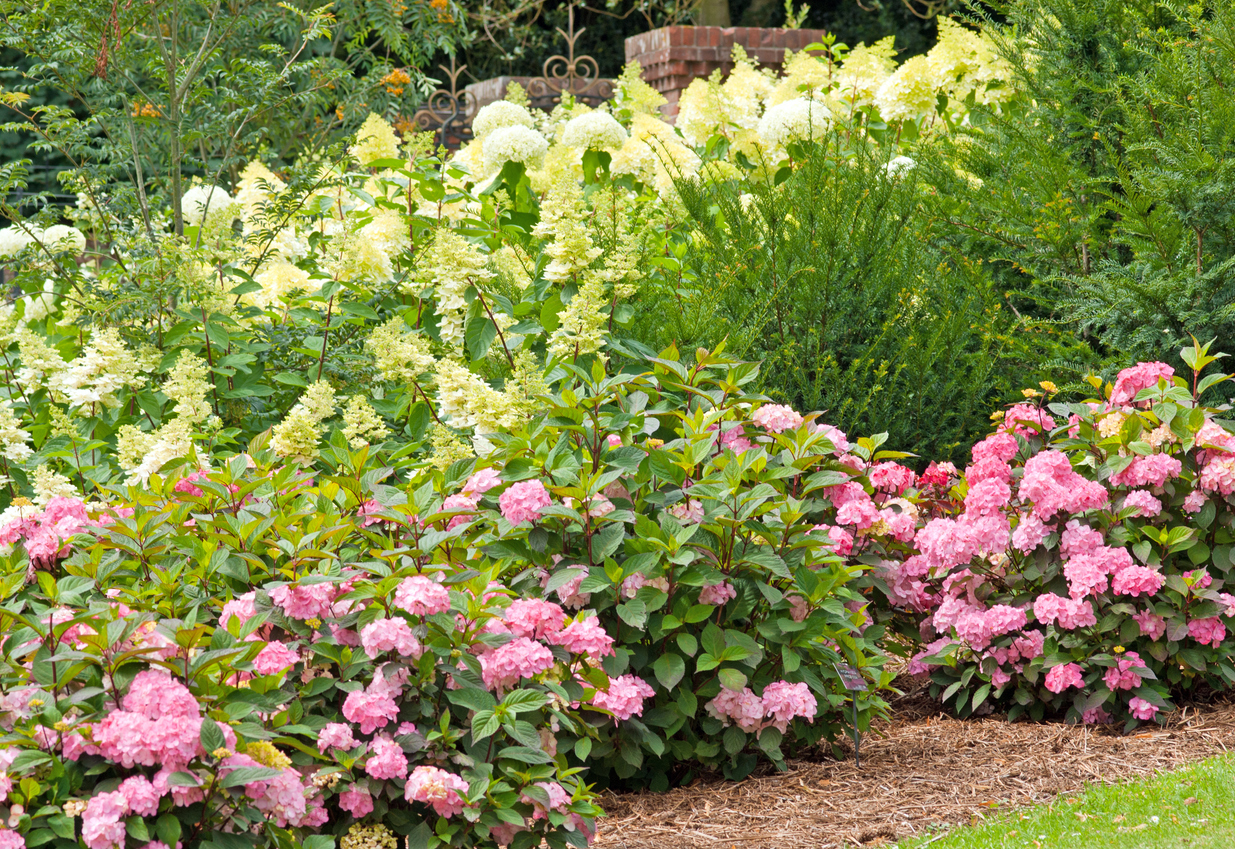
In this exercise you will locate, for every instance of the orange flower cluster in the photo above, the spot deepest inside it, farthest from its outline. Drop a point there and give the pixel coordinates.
(396, 81)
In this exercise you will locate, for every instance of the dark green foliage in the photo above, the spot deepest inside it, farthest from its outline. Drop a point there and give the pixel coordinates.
(833, 277)
(1110, 202)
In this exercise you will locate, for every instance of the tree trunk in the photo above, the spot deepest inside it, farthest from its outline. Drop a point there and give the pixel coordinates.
(713, 13)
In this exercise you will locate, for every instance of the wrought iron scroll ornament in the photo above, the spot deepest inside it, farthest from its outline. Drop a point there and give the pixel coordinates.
(448, 112)
(570, 74)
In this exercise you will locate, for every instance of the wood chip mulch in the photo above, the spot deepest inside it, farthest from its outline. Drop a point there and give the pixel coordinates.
(921, 769)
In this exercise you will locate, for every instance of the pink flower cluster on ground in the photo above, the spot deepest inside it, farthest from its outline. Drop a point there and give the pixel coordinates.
(780, 704)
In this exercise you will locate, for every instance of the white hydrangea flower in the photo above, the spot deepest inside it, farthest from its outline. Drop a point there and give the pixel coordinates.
(279, 280)
(62, 237)
(910, 93)
(13, 240)
(204, 200)
(594, 131)
(499, 114)
(899, 165)
(513, 144)
(793, 120)
(38, 307)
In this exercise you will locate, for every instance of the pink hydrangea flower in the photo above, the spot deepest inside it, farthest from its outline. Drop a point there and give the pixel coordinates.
(305, 601)
(1121, 676)
(987, 496)
(1022, 418)
(444, 791)
(1085, 576)
(520, 658)
(274, 658)
(102, 823)
(523, 501)
(892, 477)
(739, 707)
(481, 482)
(584, 636)
(1078, 538)
(688, 511)
(1051, 485)
(717, 594)
(625, 696)
(1060, 678)
(1068, 613)
(464, 505)
(1207, 632)
(1195, 501)
(559, 799)
(841, 539)
(776, 418)
(1218, 475)
(356, 802)
(10, 839)
(834, 435)
(241, 607)
(1030, 533)
(1142, 709)
(1198, 579)
(1095, 716)
(140, 796)
(1152, 625)
(1132, 380)
(860, 512)
(783, 701)
(733, 438)
(1150, 470)
(386, 759)
(632, 583)
(613, 440)
(1137, 580)
(374, 706)
(155, 695)
(1146, 505)
(420, 596)
(336, 735)
(534, 618)
(385, 635)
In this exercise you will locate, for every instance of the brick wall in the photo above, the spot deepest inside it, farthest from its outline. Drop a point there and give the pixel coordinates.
(673, 56)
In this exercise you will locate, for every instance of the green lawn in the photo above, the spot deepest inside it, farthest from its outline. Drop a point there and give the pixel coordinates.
(1193, 807)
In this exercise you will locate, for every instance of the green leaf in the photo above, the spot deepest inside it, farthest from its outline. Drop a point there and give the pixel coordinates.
(479, 336)
(211, 736)
(248, 775)
(167, 827)
(669, 669)
(522, 701)
(484, 723)
(732, 679)
(472, 698)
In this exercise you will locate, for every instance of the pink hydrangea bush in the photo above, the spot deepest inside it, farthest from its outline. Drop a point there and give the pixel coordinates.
(704, 572)
(350, 679)
(1078, 567)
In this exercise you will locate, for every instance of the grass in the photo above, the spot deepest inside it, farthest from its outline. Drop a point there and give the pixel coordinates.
(1192, 807)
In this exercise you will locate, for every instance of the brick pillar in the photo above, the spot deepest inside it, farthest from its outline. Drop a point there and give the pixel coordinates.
(673, 56)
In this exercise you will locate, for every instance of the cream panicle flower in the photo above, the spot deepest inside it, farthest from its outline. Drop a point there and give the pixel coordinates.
(187, 385)
(400, 355)
(865, 69)
(450, 265)
(581, 323)
(562, 218)
(633, 96)
(362, 424)
(49, 484)
(655, 155)
(296, 438)
(279, 281)
(256, 186)
(14, 441)
(375, 140)
(96, 376)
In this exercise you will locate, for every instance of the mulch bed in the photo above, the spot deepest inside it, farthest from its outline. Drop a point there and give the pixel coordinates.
(921, 769)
